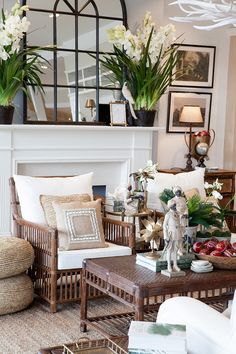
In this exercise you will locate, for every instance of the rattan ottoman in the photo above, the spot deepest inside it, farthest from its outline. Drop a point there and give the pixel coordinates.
(16, 293)
(16, 288)
(16, 256)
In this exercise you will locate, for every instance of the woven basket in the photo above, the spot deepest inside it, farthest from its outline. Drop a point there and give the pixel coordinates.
(219, 262)
(16, 293)
(16, 256)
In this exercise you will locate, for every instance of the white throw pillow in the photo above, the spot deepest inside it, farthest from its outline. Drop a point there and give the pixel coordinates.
(186, 180)
(30, 188)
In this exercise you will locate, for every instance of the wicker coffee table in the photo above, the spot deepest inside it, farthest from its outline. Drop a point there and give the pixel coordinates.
(143, 291)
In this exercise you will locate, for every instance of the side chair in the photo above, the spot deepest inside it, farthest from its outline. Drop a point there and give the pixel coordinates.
(54, 282)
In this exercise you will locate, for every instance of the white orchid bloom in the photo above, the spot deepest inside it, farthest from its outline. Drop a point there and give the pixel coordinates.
(208, 185)
(4, 55)
(217, 185)
(5, 40)
(217, 195)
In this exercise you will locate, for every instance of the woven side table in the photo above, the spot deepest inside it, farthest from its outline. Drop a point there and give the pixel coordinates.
(16, 288)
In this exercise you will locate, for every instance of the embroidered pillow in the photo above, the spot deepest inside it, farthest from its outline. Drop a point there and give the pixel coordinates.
(49, 212)
(79, 225)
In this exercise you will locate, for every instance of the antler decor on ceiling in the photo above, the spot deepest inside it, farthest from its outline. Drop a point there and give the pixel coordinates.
(219, 12)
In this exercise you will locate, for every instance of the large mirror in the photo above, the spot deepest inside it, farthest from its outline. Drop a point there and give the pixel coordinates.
(77, 87)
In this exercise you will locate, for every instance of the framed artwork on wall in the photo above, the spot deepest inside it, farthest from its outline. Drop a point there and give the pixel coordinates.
(118, 113)
(176, 102)
(195, 66)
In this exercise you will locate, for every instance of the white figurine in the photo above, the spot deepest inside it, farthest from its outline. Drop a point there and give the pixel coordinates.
(173, 237)
(182, 210)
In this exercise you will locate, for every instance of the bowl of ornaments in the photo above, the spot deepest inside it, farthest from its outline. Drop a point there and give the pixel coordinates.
(222, 254)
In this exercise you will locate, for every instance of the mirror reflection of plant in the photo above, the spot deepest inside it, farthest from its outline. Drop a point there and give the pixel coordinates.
(18, 66)
(146, 61)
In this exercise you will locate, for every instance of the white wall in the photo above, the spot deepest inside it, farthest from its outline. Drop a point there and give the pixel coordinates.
(171, 147)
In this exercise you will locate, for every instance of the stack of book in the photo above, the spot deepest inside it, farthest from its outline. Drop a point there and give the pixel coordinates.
(156, 265)
(158, 338)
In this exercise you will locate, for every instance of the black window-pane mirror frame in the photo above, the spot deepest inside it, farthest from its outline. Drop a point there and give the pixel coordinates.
(77, 13)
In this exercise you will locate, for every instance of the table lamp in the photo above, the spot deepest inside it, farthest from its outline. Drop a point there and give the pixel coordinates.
(90, 103)
(190, 115)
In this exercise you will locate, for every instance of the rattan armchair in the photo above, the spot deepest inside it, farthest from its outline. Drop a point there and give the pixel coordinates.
(51, 284)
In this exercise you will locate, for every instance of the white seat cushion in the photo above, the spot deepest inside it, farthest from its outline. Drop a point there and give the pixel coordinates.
(186, 180)
(30, 188)
(74, 259)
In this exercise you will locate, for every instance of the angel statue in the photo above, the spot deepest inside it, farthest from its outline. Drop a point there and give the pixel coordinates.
(152, 233)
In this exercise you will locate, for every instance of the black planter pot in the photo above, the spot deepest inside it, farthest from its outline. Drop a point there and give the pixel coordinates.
(145, 118)
(6, 114)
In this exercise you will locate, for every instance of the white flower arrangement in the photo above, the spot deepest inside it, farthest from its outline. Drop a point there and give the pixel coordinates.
(120, 193)
(134, 45)
(145, 61)
(18, 65)
(12, 29)
(212, 190)
(143, 174)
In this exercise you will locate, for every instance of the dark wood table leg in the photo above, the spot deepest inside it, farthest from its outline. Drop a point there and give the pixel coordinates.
(139, 306)
(84, 298)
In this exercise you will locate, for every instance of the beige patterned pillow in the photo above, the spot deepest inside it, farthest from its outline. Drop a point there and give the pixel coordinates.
(49, 212)
(79, 225)
(189, 193)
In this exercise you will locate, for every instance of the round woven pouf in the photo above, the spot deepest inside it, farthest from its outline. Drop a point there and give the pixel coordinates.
(16, 293)
(16, 256)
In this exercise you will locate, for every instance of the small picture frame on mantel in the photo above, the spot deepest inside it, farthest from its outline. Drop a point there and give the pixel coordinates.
(118, 113)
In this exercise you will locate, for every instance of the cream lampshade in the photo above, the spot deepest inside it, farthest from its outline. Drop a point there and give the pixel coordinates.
(190, 115)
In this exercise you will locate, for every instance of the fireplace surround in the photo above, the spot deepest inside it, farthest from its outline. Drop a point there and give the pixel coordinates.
(112, 153)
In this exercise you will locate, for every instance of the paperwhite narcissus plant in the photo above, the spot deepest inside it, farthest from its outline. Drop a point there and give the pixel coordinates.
(145, 61)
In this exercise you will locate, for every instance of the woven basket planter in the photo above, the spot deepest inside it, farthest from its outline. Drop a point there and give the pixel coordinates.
(16, 256)
(16, 293)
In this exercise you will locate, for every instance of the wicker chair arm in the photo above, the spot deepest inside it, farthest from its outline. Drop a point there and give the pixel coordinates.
(44, 228)
(43, 239)
(119, 232)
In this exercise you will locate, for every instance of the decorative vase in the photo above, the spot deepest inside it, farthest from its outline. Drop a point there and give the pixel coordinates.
(190, 234)
(6, 114)
(145, 118)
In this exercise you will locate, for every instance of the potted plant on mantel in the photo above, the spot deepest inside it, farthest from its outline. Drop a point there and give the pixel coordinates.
(145, 61)
(18, 66)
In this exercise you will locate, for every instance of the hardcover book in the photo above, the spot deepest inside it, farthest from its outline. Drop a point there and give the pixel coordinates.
(158, 265)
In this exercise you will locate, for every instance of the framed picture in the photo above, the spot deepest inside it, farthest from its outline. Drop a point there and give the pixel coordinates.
(177, 101)
(118, 113)
(195, 66)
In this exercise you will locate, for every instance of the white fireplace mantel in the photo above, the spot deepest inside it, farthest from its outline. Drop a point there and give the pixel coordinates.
(112, 153)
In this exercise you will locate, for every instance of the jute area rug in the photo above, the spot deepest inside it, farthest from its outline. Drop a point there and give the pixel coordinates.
(27, 331)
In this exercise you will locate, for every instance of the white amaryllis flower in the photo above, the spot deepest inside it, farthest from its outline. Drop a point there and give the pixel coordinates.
(217, 195)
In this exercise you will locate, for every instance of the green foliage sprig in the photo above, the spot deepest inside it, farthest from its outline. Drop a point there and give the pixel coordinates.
(200, 212)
